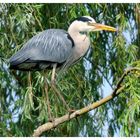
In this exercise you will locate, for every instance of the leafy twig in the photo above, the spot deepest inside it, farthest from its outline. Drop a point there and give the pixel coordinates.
(101, 73)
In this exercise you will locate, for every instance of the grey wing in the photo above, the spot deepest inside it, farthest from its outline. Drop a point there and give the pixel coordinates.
(47, 47)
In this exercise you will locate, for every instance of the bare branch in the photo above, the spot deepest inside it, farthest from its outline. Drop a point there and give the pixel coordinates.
(49, 125)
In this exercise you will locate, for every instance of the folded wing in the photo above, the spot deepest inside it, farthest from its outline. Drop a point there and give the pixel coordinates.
(44, 49)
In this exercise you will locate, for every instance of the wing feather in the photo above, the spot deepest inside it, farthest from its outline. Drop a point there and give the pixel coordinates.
(53, 45)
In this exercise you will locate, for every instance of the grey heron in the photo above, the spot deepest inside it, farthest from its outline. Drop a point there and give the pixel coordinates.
(57, 48)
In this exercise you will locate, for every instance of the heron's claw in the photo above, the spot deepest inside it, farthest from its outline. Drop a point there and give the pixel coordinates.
(51, 120)
(71, 111)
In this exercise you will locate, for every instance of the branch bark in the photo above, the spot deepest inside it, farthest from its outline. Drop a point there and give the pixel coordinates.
(49, 125)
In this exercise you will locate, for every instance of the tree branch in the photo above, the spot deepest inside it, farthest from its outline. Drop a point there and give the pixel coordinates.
(49, 125)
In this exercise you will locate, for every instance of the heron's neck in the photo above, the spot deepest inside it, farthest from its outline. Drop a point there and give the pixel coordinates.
(81, 40)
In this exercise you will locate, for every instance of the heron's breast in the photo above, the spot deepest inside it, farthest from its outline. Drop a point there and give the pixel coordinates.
(81, 47)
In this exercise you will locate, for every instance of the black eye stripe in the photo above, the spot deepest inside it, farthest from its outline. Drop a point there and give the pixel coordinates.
(83, 19)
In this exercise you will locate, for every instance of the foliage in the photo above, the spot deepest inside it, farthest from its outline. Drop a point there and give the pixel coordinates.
(23, 100)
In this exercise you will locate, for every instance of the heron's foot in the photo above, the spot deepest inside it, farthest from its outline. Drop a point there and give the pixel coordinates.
(71, 111)
(51, 119)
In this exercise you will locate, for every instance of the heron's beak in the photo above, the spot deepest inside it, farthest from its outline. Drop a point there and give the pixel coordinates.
(99, 27)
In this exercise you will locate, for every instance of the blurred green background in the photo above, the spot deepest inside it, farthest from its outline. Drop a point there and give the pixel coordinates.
(23, 107)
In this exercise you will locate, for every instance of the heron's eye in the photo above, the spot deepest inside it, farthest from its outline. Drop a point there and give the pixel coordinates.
(83, 32)
(89, 23)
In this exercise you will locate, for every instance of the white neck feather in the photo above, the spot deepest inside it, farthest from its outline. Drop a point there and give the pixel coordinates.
(81, 41)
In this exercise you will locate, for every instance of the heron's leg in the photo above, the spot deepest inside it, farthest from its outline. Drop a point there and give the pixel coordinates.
(53, 74)
(50, 118)
(55, 89)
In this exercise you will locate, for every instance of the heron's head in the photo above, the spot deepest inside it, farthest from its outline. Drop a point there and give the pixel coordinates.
(88, 24)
